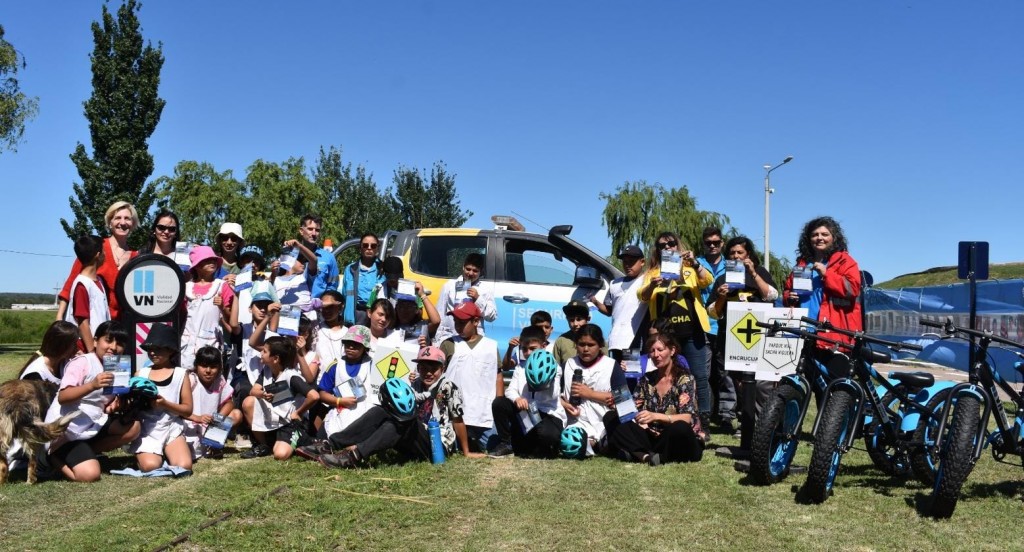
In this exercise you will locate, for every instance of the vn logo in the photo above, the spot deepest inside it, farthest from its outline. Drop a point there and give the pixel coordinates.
(142, 288)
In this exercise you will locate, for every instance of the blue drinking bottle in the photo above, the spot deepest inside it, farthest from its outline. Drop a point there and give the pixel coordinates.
(436, 445)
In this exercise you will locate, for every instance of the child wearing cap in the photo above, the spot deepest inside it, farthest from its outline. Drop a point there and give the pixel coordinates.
(437, 397)
(163, 426)
(409, 327)
(212, 311)
(473, 366)
(542, 438)
(466, 287)
(343, 385)
(623, 304)
(393, 272)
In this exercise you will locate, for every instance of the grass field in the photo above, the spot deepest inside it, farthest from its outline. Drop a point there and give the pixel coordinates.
(516, 504)
(19, 326)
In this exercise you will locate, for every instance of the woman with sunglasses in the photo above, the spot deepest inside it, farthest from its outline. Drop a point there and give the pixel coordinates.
(121, 219)
(164, 234)
(229, 245)
(359, 278)
(679, 301)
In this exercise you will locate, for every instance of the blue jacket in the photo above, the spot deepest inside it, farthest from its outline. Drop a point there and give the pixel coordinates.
(326, 274)
(350, 289)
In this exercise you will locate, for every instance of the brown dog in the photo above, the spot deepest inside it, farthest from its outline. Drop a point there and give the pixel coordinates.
(23, 404)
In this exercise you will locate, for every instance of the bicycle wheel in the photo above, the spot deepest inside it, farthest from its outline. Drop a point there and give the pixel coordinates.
(957, 456)
(775, 436)
(836, 422)
(924, 459)
(886, 455)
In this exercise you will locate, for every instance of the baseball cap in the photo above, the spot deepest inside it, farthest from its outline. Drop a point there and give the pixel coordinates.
(466, 310)
(263, 290)
(393, 267)
(431, 353)
(576, 307)
(631, 251)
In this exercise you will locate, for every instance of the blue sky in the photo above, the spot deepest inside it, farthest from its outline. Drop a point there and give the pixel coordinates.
(904, 117)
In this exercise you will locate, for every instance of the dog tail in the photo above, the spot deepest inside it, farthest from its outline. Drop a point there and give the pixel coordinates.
(44, 433)
(6, 433)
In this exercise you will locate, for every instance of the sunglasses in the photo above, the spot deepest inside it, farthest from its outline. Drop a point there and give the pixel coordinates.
(369, 245)
(713, 243)
(162, 228)
(230, 237)
(667, 244)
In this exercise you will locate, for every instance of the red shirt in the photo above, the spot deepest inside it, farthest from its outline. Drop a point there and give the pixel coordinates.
(108, 271)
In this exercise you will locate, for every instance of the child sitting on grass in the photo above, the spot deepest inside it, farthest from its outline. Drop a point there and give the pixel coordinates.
(163, 426)
(529, 418)
(277, 402)
(400, 421)
(94, 431)
(211, 395)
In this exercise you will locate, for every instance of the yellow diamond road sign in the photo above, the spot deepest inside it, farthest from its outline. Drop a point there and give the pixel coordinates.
(746, 330)
(392, 366)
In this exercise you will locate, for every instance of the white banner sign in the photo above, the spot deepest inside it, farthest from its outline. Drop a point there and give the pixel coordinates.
(749, 349)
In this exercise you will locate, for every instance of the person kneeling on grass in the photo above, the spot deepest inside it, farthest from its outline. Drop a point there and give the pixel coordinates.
(530, 417)
(667, 427)
(400, 422)
(277, 402)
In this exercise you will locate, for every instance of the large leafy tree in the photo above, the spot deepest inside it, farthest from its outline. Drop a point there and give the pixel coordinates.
(433, 204)
(276, 195)
(352, 203)
(15, 107)
(637, 211)
(123, 112)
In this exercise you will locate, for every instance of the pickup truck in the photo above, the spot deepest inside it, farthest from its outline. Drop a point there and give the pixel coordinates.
(526, 272)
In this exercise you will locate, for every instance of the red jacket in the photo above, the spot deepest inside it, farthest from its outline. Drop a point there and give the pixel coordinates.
(841, 289)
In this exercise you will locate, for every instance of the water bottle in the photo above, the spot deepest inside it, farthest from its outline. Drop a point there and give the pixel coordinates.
(577, 377)
(436, 444)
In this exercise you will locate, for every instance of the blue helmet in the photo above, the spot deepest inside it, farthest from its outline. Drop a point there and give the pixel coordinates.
(574, 442)
(143, 387)
(541, 368)
(398, 399)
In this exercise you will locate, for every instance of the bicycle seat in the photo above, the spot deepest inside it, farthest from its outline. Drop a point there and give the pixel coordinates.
(916, 380)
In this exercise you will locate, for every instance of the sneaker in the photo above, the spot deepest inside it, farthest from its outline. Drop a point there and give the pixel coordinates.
(503, 450)
(214, 453)
(314, 451)
(654, 460)
(343, 459)
(257, 451)
(242, 442)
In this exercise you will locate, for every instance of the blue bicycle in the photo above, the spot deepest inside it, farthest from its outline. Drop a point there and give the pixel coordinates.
(891, 409)
(957, 441)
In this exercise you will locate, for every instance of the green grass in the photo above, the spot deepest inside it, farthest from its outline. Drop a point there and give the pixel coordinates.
(21, 326)
(947, 275)
(516, 504)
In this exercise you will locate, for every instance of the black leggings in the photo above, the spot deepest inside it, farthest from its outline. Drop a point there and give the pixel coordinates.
(376, 430)
(676, 443)
(543, 440)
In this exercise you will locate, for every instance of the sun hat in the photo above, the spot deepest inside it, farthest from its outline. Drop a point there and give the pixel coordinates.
(202, 253)
(231, 228)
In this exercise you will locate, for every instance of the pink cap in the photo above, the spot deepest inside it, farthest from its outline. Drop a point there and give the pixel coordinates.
(431, 353)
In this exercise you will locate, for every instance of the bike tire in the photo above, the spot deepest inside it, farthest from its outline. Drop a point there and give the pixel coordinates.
(886, 456)
(924, 457)
(957, 457)
(836, 422)
(776, 436)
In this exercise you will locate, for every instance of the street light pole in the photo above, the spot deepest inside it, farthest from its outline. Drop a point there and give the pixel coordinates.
(768, 190)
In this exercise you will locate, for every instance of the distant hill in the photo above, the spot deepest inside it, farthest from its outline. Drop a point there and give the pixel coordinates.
(31, 298)
(947, 275)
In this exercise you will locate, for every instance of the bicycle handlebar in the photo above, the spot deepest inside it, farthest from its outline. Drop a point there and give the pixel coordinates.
(860, 336)
(777, 327)
(949, 328)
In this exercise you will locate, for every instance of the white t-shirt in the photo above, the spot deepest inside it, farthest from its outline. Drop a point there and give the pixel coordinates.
(627, 311)
(597, 377)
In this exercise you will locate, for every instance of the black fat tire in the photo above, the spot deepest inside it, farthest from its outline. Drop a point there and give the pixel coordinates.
(836, 422)
(880, 451)
(769, 435)
(957, 458)
(924, 459)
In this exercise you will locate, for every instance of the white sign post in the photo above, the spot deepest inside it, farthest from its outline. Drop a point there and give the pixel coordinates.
(748, 348)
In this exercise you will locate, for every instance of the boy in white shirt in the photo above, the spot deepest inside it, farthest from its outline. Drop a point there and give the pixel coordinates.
(473, 366)
(465, 288)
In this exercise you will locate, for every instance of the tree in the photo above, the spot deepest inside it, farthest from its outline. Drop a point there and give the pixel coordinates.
(16, 108)
(202, 198)
(638, 211)
(433, 205)
(275, 196)
(352, 203)
(123, 112)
